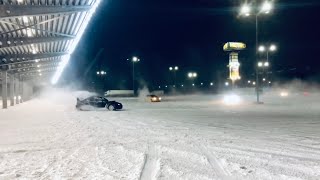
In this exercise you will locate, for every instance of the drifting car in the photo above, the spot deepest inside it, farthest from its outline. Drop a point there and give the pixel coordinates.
(153, 98)
(98, 102)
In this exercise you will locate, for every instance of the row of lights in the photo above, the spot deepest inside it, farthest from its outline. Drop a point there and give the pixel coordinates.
(182, 85)
(266, 7)
(101, 72)
(254, 83)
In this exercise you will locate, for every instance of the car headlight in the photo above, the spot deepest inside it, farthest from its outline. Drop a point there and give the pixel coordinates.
(231, 99)
(284, 94)
(159, 98)
(154, 98)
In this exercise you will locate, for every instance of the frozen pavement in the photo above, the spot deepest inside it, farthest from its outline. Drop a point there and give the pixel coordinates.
(190, 137)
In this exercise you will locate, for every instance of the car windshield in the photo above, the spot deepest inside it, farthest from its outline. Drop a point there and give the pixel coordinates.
(198, 89)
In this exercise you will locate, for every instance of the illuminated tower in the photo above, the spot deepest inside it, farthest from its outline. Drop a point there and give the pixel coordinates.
(233, 48)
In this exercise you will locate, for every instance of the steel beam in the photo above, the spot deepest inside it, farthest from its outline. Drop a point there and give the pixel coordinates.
(38, 10)
(16, 89)
(37, 70)
(25, 57)
(4, 90)
(33, 65)
(11, 90)
(14, 42)
(47, 60)
(32, 26)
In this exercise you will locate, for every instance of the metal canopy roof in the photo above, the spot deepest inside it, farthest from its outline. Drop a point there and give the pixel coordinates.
(37, 36)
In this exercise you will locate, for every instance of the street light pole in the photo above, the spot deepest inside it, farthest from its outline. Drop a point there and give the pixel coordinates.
(133, 76)
(256, 50)
(134, 60)
(174, 69)
(246, 11)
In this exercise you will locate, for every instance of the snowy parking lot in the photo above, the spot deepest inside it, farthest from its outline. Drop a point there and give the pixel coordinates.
(183, 137)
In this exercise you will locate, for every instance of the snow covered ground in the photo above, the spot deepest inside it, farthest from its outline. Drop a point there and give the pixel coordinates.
(184, 137)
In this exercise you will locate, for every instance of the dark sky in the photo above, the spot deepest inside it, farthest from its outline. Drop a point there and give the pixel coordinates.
(190, 34)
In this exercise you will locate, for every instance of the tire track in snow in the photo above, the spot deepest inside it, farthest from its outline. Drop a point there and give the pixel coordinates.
(151, 164)
(215, 164)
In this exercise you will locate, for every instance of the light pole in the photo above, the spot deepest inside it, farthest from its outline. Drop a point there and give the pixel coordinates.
(192, 76)
(269, 49)
(102, 74)
(247, 10)
(263, 65)
(174, 69)
(133, 60)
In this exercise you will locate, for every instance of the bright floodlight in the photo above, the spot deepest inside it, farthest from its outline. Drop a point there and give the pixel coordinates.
(226, 83)
(254, 83)
(135, 59)
(170, 68)
(192, 84)
(262, 49)
(266, 64)
(176, 68)
(211, 84)
(194, 74)
(260, 64)
(264, 79)
(245, 10)
(266, 7)
(249, 82)
(72, 47)
(231, 99)
(98, 73)
(190, 75)
(273, 48)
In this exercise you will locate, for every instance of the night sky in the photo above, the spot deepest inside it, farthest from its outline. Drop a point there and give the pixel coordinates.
(190, 34)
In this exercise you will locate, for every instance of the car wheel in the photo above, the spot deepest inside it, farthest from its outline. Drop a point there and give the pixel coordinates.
(111, 107)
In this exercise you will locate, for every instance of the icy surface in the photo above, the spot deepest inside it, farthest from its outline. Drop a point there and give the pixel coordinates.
(184, 137)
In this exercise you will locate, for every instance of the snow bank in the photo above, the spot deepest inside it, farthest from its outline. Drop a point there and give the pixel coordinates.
(187, 137)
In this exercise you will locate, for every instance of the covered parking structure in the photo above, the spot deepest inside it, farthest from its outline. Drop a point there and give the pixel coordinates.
(37, 38)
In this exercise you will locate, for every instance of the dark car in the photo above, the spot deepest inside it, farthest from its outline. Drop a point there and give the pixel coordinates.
(98, 102)
(153, 98)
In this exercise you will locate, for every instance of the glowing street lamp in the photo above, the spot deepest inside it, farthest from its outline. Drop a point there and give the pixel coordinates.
(266, 7)
(263, 64)
(261, 49)
(273, 47)
(174, 70)
(192, 75)
(101, 73)
(134, 60)
(245, 10)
